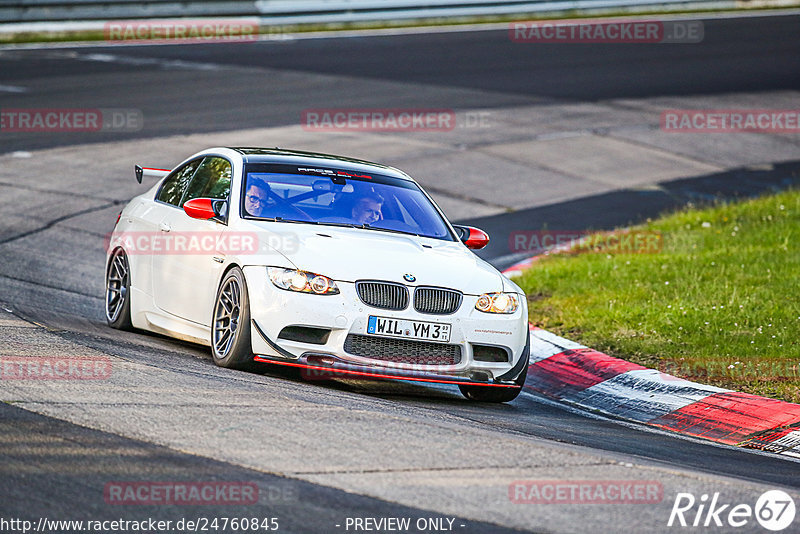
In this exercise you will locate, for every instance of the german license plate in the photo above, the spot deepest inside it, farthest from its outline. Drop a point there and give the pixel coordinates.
(385, 326)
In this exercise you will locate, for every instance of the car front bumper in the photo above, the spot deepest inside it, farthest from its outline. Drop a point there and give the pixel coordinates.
(273, 309)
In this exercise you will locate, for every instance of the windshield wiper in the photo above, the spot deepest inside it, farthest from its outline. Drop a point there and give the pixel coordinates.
(345, 225)
(281, 219)
(368, 227)
(363, 226)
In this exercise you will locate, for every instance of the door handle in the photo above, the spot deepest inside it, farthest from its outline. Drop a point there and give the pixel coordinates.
(164, 227)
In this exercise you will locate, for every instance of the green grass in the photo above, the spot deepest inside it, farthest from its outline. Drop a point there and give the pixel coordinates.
(718, 304)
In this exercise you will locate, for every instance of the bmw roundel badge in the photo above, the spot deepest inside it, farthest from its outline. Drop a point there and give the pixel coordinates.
(409, 277)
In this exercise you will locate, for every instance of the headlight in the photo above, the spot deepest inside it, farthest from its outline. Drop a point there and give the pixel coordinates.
(498, 303)
(301, 281)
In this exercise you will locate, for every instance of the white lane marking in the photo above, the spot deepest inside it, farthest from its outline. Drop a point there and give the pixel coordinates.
(641, 395)
(655, 377)
(13, 89)
(564, 344)
(541, 349)
(146, 61)
(791, 441)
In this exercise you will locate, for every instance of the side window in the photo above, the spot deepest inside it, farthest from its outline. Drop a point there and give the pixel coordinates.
(175, 185)
(212, 180)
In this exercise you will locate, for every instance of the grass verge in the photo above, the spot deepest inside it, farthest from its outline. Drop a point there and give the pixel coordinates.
(719, 304)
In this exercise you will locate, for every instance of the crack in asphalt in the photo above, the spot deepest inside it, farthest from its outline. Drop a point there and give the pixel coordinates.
(85, 231)
(466, 198)
(60, 193)
(539, 164)
(139, 404)
(444, 469)
(48, 286)
(654, 148)
(54, 222)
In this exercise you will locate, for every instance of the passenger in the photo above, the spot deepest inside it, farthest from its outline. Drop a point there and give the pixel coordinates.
(367, 209)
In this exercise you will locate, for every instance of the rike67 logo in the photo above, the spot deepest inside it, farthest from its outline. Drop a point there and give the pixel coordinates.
(774, 510)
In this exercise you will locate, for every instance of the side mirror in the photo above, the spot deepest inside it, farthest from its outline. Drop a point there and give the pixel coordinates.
(473, 238)
(206, 208)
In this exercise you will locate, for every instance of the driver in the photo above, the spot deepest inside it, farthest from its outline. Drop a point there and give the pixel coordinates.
(257, 198)
(367, 209)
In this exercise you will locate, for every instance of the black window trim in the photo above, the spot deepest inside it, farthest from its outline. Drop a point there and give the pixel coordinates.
(170, 175)
(200, 158)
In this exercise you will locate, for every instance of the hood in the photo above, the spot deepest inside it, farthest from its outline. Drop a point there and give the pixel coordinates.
(350, 254)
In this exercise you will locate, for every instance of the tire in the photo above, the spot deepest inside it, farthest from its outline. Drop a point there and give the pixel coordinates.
(118, 291)
(494, 394)
(230, 324)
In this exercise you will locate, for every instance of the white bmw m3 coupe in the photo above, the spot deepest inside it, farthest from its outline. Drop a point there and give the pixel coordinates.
(326, 263)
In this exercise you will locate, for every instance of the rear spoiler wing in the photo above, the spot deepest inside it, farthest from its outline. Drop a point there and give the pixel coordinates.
(148, 171)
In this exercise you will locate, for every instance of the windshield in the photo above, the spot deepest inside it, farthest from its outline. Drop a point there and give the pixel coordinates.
(292, 193)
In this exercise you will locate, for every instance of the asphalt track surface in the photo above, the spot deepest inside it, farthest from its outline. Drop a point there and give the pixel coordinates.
(739, 55)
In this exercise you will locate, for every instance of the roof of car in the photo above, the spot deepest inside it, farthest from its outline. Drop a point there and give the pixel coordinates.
(275, 155)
